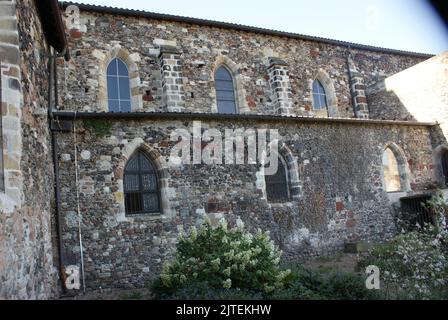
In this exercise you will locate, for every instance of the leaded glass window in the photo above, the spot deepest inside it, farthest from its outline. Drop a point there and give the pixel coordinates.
(118, 87)
(319, 96)
(141, 185)
(225, 91)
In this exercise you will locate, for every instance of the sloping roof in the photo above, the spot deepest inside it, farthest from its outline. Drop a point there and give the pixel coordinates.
(234, 26)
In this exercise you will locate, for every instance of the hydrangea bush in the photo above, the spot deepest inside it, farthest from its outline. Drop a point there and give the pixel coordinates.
(224, 259)
(414, 265)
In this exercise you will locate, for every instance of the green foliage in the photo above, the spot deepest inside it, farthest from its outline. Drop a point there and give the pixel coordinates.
(414, 265)
(98, 127)
(221, 258)
(217, 263)
(306, 284)
(204, 291)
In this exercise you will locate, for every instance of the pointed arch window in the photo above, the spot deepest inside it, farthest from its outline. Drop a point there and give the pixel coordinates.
(277, 185)
(391, 172)
(118, 86)
(225, 91)
(319, 96)
(141, 185)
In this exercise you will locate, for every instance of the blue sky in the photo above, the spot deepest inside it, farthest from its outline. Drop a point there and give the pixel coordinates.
(410, 25)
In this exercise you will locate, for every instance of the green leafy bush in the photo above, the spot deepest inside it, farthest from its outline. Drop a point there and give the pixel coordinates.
(204, 291)
(222, 258)
(306, 284)
(414, 265)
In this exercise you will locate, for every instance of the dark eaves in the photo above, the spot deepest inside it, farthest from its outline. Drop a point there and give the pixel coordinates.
(53, 26)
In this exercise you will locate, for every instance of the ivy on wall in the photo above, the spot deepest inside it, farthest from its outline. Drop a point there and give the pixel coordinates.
(98, 127)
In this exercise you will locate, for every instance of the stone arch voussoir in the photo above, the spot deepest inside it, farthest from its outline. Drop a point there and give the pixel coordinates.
(330, 91)
(403, 167)
(163, 174)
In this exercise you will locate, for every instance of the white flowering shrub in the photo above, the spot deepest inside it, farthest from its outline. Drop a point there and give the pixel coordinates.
(224, 259)
(414, 265)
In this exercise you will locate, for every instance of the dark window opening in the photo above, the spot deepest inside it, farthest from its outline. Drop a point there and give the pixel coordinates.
(225, 91)
(141, 186)
(415, 212)
(277, 188)
(118, 87)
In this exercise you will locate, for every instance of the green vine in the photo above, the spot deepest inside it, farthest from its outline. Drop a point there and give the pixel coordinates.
(98, 127)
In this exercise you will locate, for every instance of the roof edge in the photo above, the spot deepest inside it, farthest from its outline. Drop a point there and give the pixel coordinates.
(238, 27)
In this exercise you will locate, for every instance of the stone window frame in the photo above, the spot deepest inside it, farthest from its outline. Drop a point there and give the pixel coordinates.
(437, 158)
(330, 92)
(240, 92)
(163, 175)
(292, 176)
(403, 168)
(134, 78)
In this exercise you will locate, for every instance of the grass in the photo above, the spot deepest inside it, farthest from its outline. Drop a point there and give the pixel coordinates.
(134, 295)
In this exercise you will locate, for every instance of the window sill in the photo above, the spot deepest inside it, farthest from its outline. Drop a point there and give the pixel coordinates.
(142, 217)
(281, 204)
(395, 196)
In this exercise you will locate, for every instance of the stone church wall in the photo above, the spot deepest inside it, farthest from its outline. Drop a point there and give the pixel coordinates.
(26, 257)
(341, 193)
(139, 41)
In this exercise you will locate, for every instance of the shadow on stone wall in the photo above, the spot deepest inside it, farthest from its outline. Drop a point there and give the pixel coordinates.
(386, 105)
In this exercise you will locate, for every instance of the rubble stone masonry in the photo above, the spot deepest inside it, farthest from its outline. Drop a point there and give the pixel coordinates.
(342, 197)
(202, 50)
(26, 257)
(332, 158)
(334, 167)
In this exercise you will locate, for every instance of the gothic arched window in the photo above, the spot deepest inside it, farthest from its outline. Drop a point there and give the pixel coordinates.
(141, 185)
(319, 96)
(277, 185)
(225, 91)
(391, 172)
(118, 87)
